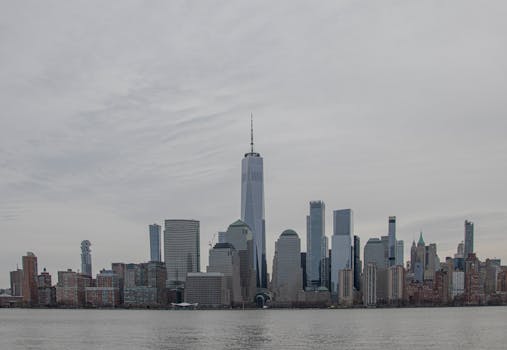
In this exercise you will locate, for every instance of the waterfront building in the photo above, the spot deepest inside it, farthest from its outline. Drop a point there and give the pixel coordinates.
(370, 284)
(315, 226)
(469, 238)
(86, 258)
(420, 263)
(225, 259)
(392, 241)
(346, 287)
(252, 208)
(181, 250)
(207, 289)
(30, 289)
(107, 291)
(240, 236)
(395, 284)
(303, 267)
(70, 289)
(287, 282)
(357, 263)
(413, 257)
(341, 251)
(474, 289)
(155, 246)
(375, 252)
(16, 283)
(325, 264)
(46, 292)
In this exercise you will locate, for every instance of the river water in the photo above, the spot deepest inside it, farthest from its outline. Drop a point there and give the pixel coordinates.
(420, 328)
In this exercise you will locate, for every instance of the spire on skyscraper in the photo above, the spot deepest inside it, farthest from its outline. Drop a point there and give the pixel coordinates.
(251, 134)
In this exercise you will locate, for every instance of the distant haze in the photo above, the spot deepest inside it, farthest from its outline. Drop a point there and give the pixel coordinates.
(115, 115)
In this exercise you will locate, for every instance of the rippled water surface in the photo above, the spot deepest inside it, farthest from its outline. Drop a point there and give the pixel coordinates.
(438, 328)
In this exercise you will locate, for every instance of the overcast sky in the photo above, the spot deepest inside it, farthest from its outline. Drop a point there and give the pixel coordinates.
(115, 115)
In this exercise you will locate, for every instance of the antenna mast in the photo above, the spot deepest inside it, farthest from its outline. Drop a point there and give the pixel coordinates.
(251, 133)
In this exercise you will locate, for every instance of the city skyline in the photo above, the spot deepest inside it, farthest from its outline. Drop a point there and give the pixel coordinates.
(99, 138)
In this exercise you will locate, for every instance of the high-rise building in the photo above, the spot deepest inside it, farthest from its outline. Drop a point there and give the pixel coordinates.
(181, 250)
(324, 265)
(315, 226)
(46, 293)
(252, 208)
(420, 261)
(287, 283)
(395, 284)
(86, 258)
(392, 241)
(400, 252)
(155, 246)
(107, 291)
(341, 243)
(241, 237)
(469, 238)
(225, 259)
(70, 290)
(17, 283)
(345, 286)
(357, 263)
(375, 253)
(370, 284)
(30, 272)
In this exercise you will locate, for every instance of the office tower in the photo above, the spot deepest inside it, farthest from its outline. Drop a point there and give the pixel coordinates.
(181, 250)
(469, 238)
(357, 263)
(458, 283)
(370, 284)
(392, 240)
(420, 261)
(30, 296)
(17, 283)
(86, 258)
(375, 253)
(252, 208)
(400, 252)
(155, 246)
(324, 265)
(207, 289)
(241, 237)
(345, 286)
(287, 281)
(413, 256)
(315, 226)
(395, 284)
(225, 259)
(303, 267)
(432, 262)
(341, 243)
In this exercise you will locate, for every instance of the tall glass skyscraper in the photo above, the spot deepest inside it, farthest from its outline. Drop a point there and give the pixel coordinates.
(181, 250)
(155, 248)
(469, 238)
(341, 242)
(315, 225)
(252, 208)
(392, 241)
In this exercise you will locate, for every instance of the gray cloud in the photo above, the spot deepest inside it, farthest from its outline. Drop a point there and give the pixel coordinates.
(115, 116)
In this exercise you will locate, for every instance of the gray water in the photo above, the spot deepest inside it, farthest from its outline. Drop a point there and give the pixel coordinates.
(437, 328)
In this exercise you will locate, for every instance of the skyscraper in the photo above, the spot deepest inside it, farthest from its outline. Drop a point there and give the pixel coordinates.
(341, 242)
(392, 240)
(181, 250)
(252, 208)
(155, 248)
(469, 238)
(400, 256)
(357, 263)
(30, 273)
(86, 258)
(287, 276)
(315, 224)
